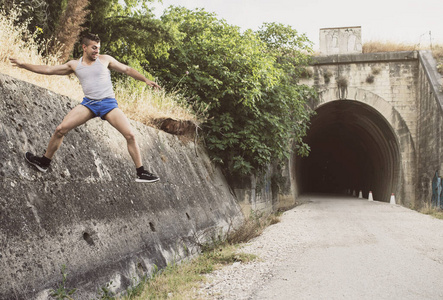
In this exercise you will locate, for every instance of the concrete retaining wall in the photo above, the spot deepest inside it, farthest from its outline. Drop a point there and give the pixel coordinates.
(87, 212)
(429, 129)
(273, 190)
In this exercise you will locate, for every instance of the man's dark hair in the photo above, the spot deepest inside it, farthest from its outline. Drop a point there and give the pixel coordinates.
(86, 38)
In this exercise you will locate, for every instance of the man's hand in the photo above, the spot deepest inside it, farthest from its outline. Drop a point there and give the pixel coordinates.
(153, 84)
(15, 62)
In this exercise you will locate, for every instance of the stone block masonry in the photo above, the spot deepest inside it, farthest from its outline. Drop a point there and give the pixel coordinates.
(372, 97)
(87, 212)
(404, 88)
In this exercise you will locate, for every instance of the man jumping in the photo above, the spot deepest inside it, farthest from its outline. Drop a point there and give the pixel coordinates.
(92, 69)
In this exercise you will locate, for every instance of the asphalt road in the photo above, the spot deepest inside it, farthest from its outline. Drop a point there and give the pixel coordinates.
(354, 249)
(342, 248)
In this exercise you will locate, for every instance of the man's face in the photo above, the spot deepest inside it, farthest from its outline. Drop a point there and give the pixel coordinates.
(91, 50)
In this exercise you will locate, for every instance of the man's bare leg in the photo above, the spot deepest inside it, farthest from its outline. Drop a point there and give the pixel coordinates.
(119, 121)
(76, 117)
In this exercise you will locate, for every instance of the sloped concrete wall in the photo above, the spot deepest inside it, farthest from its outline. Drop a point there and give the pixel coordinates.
(429, 129)
(267, 192)
(87, 212)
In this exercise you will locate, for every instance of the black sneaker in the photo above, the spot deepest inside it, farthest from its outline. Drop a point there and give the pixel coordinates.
(145, 176)
(35, 161)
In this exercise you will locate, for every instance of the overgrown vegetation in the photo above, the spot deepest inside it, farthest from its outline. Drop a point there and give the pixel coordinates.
(244, 87)
(249, 83)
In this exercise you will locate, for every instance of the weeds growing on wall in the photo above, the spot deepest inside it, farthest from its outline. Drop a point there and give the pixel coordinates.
(437, 51)
(62, 292)
(378, 46)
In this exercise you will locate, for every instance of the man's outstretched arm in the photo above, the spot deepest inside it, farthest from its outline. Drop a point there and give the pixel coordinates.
(122, 68)
(64, 69)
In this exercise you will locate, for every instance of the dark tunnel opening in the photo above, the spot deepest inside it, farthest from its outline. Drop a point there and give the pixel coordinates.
(353, 147)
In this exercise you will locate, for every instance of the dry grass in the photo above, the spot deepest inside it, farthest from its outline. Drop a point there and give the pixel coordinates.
(145, 105)
(427, 209)
(137, 101)
(182, 281)
(377, 46)
(251, 228)
(18, 42)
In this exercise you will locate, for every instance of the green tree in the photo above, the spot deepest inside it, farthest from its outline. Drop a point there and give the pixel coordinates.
(292, 52)
(129, 31)
(223, 64)
(43, 14)
(254, 112)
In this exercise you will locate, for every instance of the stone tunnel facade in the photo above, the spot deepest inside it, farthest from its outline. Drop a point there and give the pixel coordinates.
(376, 128)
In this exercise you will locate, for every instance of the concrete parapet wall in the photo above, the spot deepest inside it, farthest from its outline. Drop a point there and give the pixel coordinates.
(87, 212)
(340, 40)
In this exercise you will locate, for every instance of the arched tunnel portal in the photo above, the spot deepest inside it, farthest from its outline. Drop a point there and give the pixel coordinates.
(353, 147)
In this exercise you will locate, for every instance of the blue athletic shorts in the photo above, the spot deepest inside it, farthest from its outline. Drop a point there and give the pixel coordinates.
(100, 107)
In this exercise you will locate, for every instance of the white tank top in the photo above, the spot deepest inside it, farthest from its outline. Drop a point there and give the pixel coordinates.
(95, 80)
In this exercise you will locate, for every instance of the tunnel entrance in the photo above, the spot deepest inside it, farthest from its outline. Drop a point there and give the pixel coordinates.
(353, 147)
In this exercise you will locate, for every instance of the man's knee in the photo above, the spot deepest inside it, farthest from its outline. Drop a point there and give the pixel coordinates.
(61, 130)
(130, 137)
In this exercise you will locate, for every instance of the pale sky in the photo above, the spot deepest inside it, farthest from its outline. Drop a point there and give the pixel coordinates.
(405, 21)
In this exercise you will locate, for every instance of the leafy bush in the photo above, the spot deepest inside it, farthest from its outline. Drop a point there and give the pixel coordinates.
(248, 81)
